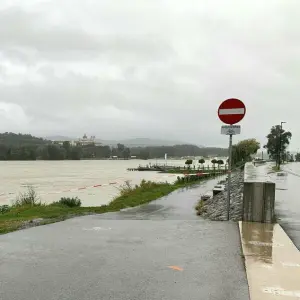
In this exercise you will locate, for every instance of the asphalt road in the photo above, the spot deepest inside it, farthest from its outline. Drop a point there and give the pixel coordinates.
(127, 255)
(288, 202)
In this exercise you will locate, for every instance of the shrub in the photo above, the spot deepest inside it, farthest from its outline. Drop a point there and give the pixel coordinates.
(4, 209)
(30, 198)
(126, 188)
(70, 202)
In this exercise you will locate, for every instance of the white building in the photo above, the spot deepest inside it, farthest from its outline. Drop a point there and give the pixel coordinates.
(84, 141)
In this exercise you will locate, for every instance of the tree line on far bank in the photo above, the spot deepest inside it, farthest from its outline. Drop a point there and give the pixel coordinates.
(26, 147)
(65, 151)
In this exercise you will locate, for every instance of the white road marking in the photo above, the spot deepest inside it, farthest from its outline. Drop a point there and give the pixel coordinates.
(232, 111)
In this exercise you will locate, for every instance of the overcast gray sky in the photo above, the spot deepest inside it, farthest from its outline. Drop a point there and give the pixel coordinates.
(156, 68)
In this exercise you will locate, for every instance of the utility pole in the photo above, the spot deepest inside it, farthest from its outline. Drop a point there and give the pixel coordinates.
(280, 145)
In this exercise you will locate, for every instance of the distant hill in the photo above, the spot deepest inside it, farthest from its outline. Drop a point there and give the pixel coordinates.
(59, 138)
(15, 140)
(182, 150)
(136, 142)
(141, 142)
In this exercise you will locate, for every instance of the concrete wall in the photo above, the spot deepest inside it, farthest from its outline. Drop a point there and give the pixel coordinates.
(259, 196)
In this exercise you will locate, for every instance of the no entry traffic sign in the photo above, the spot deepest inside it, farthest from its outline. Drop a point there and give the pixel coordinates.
(231, 111)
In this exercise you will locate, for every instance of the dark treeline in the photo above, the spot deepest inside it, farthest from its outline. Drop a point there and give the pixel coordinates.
(177, 151)
(26, 147)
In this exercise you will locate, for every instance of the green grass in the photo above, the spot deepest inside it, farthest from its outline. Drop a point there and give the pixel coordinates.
(143, 193)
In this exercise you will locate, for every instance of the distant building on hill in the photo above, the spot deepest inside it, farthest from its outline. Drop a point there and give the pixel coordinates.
(85, 141)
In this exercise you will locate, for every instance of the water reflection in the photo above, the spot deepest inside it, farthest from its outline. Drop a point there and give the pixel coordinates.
(257, 239)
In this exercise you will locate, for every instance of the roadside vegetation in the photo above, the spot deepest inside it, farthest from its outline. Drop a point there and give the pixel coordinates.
(28, 206)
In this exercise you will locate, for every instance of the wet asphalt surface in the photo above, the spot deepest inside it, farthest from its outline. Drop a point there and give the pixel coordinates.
(288, 201)
(127, 255)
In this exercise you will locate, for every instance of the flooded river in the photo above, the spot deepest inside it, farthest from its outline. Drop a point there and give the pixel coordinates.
(95, 182)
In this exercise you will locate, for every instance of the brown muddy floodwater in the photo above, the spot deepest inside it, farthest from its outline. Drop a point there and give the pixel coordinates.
(95, 182)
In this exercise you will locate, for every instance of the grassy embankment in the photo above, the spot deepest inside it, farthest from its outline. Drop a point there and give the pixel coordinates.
(27, 207)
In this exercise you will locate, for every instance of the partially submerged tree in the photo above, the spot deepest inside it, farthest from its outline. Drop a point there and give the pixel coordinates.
(214, 161)
(189, 162)
(201, 161)
(220, 162)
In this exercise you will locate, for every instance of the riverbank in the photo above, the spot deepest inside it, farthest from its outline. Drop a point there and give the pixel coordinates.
(26, 216)
(215, 209)
(95, 182)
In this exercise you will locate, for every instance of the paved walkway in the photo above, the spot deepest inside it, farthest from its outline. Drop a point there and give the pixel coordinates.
(157, 251)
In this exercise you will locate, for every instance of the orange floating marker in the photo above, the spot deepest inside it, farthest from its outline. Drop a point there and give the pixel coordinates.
(176, 268)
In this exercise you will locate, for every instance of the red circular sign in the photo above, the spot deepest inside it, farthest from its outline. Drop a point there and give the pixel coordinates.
(231, 111)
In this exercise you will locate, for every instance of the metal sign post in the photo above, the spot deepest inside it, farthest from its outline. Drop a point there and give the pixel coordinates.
(229, 176)
(231, 111)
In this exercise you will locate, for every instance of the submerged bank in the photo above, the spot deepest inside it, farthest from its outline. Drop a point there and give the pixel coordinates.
(25, 216)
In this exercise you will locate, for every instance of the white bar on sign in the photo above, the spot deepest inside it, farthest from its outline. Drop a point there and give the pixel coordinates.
(232, 111)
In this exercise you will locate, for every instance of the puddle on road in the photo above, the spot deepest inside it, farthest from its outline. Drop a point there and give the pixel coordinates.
(271, 261)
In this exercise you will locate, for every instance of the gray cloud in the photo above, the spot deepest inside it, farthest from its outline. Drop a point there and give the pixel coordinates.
(148, 68)
(27, 35)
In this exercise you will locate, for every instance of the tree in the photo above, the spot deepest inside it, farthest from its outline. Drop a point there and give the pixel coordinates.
(297, 157)
(67, 147)
(120, 148)
(102, 151)
(144, 154)
(220, 162)
(189, 162)
(126, 153)
(201, 161)
(42, 153)
(278, 140)
(76, 153)
(55, 152)
(214, 161)
(242, 151)
(248, 147)
(3, 152)
(114, 151)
